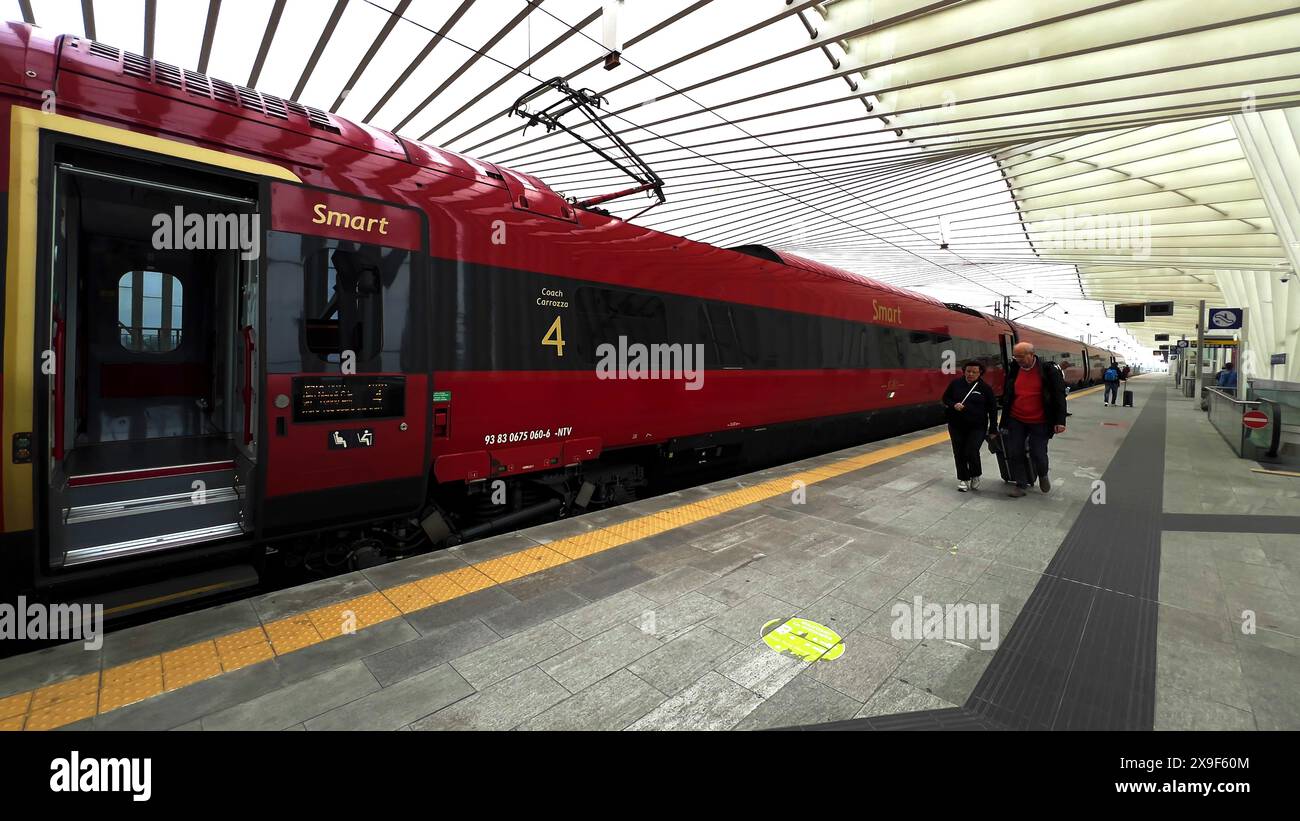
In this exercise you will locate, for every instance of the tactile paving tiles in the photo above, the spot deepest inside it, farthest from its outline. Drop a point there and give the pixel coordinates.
(291, 634)
(244, 648)
(523, 563)
(190, 664)
(58, 704)
(410, 597)
(469, 579)
(132, 682)
(442, 588)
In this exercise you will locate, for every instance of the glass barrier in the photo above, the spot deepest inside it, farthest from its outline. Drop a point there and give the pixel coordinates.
(1226, 413)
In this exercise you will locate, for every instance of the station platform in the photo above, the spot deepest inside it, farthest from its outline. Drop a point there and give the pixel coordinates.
(1156, 586)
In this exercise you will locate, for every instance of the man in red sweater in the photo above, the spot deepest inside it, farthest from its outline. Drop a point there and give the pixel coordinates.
(1033, 410)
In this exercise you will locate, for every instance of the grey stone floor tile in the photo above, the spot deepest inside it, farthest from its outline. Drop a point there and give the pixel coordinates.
(949, 670)
(1271, 677)
(1208, 670)
(857, 673)
(1180, 710)
(307, 662)
(737, 586)
(726, 562)
(673, 584)
(1188, 626)
(870, 590)
(294, 600)
(610, 704)
(906, 563)
(611, 580)
(429, 651)
(843, 561)
(934, 589)
(584, 664)
(503, 659)
(836, 614)
(607, 560)
(682, 661)
(188, 727)
(744, 622)
(472, 606)
(761, 669)
(501, 706)
(712, 703)
(803, 701)
(894, 697)
(668, 557)
(520, 616)
(803, 587)
(399, 705)
(298, 702)
(599, 616)
(561, 577)
(669, 620)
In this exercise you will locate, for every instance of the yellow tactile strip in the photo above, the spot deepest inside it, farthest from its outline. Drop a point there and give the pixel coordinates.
(65, 702)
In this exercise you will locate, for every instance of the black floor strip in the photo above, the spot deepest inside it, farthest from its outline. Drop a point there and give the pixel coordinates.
(1231, 523)
(1082, 653)
(952, 718)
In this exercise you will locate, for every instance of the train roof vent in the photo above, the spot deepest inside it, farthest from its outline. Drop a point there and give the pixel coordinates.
(962, 309)
(200, 85)
(760, 251)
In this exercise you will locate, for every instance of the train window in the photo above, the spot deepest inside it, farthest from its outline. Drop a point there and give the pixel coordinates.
(327, 297)
(150, 305)
(344, 308)
(605, 315)
(719, 322)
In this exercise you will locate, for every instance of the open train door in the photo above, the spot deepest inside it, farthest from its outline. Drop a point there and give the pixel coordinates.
(345, 361)
(1006, 344)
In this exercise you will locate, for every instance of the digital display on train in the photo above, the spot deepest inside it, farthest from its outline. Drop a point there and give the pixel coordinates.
(340, 398)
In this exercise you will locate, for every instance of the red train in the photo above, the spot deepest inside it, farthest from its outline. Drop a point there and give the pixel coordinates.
(234, 325)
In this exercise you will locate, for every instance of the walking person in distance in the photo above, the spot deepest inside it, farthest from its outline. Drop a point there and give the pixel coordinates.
(1112, 378)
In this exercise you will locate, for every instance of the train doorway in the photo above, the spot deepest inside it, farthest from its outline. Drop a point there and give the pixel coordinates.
(151, 325)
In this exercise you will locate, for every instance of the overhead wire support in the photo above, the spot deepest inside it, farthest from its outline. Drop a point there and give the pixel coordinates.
(586, 102)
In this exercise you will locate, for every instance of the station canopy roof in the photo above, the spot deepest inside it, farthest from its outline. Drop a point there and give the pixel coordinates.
(1054, 157)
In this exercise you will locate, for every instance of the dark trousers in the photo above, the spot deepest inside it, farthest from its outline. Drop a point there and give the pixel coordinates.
(1112, 393)
(966, 443)
(1033, 436)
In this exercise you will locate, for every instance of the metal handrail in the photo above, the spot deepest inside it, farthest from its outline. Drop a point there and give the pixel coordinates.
(1234, 400)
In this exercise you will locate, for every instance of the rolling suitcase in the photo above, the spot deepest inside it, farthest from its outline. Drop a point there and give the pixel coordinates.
(1128, 399)
(1004, 468)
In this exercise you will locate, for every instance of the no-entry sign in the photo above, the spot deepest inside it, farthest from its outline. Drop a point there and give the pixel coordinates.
(1254, 419)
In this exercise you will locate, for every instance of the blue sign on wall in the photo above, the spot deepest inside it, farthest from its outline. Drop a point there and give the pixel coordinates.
(1224, 319)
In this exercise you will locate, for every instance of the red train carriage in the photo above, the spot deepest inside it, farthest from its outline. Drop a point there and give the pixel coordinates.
(233, 324)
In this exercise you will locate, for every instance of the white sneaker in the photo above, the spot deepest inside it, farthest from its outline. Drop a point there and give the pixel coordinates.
(1105, 404)
(974, 483)
(963, 486)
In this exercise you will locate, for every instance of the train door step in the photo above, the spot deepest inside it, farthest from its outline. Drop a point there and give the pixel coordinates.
(108, 521)
(171, 592)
